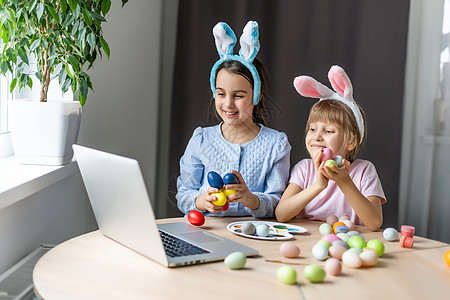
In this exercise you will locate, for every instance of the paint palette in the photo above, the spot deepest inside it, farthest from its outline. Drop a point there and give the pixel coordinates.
(277, 231)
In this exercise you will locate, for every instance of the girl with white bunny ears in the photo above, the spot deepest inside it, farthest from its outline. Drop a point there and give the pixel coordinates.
(316, 191)
(241, 144)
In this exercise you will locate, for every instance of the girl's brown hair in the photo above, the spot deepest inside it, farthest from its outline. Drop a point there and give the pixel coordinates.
(260, 110)
(336, 112)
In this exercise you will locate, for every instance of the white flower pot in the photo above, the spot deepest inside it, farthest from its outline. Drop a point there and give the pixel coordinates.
(43, 132)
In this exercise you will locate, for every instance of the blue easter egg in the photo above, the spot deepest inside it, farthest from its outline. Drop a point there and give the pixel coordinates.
(230, 178)
(215, 180)
(338, 159)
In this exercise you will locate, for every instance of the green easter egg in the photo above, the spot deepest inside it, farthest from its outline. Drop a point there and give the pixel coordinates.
(287, 274)
(376, 245)
(330, 163)
(325, 228)
(235, 260)
(356, 242)
(314, 273)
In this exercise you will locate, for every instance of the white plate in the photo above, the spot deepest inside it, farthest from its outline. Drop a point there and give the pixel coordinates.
(277, 231)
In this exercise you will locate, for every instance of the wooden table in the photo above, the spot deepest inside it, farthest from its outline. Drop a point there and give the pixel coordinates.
(92, 266)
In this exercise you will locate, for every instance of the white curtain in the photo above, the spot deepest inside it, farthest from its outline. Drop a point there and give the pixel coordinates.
(425, 166)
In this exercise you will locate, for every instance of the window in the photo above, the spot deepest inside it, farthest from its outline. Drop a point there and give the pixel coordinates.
(443, 101)
(4, 94)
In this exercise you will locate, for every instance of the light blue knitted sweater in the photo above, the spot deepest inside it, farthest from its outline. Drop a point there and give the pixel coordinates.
(264, 163)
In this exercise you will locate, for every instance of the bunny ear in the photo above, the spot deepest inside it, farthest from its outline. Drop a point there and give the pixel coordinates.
(225, 39)
(249, 41)
(309, 87)
(340, 82)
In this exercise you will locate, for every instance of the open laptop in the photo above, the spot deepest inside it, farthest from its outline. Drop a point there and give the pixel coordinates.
(123, 211)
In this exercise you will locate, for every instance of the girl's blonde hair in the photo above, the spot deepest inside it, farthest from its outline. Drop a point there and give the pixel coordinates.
(336, 112)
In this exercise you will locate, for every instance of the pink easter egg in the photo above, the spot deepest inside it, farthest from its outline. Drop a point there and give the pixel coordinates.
(326, 154)
(333, 266)
(331, 238)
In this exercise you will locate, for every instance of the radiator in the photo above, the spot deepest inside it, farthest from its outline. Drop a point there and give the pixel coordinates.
(17, 282)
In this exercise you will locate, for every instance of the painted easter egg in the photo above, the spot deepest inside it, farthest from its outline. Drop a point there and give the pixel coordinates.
(230, 178)
(333, 266)
(215, 180)
(248, 228)
(351, 259)
(229, 192)
(289, 250)
(235, 260)
(325, 228)
(196, 218)
(390, 234)
(331, 219)
(338, 159)
(377, 246)
(262, 230)
(369, 258)
(287, 274)
(356, 242)
(331, 164)
(225, 206)
(314, 273)
(221, 199)
(320, 252)
(327, 154)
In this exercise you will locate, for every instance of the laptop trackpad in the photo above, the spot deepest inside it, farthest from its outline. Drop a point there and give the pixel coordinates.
(200, 237)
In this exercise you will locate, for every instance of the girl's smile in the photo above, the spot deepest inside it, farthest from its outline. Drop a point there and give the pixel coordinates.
(321, 135)
(233, 98)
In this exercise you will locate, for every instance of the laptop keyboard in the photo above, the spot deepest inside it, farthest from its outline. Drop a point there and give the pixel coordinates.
(176, 247)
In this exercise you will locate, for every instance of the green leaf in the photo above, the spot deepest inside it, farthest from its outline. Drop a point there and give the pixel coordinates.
(106, 5)
(39, 11)
(54, 14)
(23, 56)
(4, 67)
(33, 4)
(91, 39)
(13, 85)
(30, 82)
(73, 4)
(65, 85)
(35, 44)
(83, 89)
(73, 61)
(63, 5)
(69, 70)
(96, 16)
(87, 17)
(105, 46)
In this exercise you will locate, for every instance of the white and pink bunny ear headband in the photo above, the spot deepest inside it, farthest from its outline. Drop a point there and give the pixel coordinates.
(309, 87)
(225, 41)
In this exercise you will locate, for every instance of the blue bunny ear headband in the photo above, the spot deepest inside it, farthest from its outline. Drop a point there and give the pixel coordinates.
(225, 42)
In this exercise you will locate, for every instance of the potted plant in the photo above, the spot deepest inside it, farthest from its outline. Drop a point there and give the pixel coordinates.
(65, 38)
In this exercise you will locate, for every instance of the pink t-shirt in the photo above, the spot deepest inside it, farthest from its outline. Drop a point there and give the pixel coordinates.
(332, 201)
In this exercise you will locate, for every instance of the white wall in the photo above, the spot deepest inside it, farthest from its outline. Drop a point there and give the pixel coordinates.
(52, 215)
(122, 116)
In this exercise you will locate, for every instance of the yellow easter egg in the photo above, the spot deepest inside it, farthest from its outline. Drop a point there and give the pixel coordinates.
(229, 192)
(221, 198)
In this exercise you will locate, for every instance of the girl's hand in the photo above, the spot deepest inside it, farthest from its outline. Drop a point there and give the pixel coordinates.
(204, 201)
(321, 179)
(243, 194)
(340, 175)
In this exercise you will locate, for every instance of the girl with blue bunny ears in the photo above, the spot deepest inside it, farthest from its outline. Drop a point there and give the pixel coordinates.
(241, 144)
